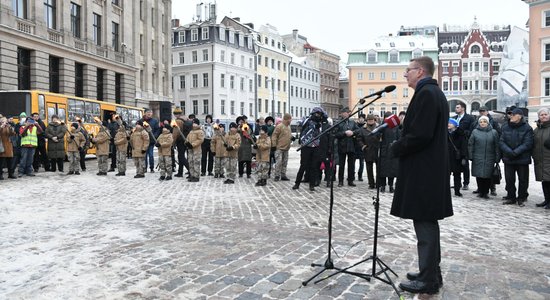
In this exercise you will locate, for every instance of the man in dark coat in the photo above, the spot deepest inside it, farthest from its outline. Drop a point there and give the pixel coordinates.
(40, 155)
(346, 135)
(423, 192)
(516, 145)
(113, 126)
(465, 122)
(388, 163)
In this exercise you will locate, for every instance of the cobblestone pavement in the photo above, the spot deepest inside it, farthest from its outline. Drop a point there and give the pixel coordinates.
(92, 237)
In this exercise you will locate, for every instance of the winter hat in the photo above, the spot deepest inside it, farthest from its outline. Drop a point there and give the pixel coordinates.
(75, 125)
(239, 118)
(22, 115)
(453, 121)
(263, 128)
(221, 125)
(140, 123)
(371, 117)
(196, 121)
(517, 111)
(232, 125)
(270, 118)
(483, 118)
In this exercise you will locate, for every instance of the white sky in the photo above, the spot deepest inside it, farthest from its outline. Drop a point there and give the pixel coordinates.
(339, 26)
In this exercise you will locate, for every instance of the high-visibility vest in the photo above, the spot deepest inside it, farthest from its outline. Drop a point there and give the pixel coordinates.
(31, 138)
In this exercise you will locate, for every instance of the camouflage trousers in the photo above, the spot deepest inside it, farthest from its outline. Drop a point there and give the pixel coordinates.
(102, 163)
(74, 161)
(230, 164)
(194, 159)
(281, 157)
(121, 161)
(263, 168)
(165, 165)
(139, 162)
(218, 165)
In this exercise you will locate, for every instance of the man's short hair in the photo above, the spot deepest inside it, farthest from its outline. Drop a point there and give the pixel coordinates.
(462, 104)
(425, 63)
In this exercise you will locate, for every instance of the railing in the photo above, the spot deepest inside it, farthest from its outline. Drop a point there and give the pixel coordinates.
(101, 51)
(80, 45)
(120, 57)
(55, 37)
(25, 26)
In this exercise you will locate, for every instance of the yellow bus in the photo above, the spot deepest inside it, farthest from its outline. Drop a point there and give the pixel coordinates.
(68, 108)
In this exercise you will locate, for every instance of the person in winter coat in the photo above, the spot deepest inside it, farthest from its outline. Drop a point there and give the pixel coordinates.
(218, 150)
(154, 126)
(140, 143)
(113, 125)
(180, 129)
(121, 143)
(465, 122)
(86, 146)
(281, 140)
(232, 144)
(75, 143)
(369, 145)
(346, 135)
(388, 163)
(422, 191)
(484, 152)
(541, 154)
(207, 159)
(102, 144)
(164, 143)
(516, 145)
(458, 153)
(262, 156)
(55, 133)
(245, 150)
(361, 122)
(6, 156)
(29, 142)
(195, 138)
(40, 154)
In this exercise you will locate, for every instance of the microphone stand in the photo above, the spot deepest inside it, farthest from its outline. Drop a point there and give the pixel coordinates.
(329, 264)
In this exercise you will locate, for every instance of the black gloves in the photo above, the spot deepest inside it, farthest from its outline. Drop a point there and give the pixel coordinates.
(127, 138)
(72, 137)
(229, 148)
(188, 145)
(143, 151)
(157, 144)
(79, 149)
(225, 145)
(255, 146)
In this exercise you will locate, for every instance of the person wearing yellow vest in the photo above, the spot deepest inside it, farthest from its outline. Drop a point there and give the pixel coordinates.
(29, 141)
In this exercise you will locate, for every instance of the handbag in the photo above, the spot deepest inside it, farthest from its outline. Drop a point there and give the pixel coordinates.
(497, 175)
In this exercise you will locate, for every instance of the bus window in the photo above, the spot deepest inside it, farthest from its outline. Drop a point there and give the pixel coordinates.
(51, 111)
(123, 113)
(61, 113)
(94, 110)
(72, 114)
(14, 103)
(134, 116)
(41, 107)
(78, 110)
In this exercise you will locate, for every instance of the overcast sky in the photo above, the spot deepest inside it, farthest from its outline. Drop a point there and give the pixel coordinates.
(339, 26)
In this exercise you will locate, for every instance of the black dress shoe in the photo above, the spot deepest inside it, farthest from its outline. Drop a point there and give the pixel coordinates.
(296, 186)
(178, 175)
(340, 184)
(284, 178)
(419, 287)
(542, 203)
(414, 276)
(350, 183)
(475, 192)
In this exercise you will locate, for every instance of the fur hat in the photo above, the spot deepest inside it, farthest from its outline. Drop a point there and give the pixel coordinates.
(196, 121)
(517, 111)
(75, 125)
(270, 118)
(263, 128)
(233, 125)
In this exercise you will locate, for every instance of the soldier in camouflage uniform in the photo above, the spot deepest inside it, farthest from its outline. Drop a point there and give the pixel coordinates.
(281, 140)
(232, 143)
(121, 144)
(262, 155)
(194, 142)
(218, 150)
(102, 143)
(75, 143)
(140, 142)
(164, 143)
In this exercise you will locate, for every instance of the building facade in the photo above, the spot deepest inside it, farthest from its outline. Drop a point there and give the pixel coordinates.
(539, 55)
(469, 64)
(328, 65)
(88, 48)
(304, 88)
(383, 63)
(214, 69)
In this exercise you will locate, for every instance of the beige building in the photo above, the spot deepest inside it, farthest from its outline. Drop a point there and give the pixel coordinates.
(111, 50)
(539, 54)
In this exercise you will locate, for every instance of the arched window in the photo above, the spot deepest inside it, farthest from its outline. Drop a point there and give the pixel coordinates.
(417, 53)
(475, 49)
(371, 56)
(475, 106)
(394, 56)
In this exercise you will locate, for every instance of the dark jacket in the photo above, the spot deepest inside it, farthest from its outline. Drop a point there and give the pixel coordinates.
(516, 143)
(466, 123)
(492, 122)
(541, 151)
(388, 163)
(368, 143)
(423, 189)
(346, 144)
(458, 149)
(56, 149)
(41, 135)
(245, 150)
(155, 129)
(483, 151)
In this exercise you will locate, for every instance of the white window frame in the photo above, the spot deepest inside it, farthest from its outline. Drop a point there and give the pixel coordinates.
(543, 17)
(194, 34)
(182, 58)
(205, 33)
(181, 37)
(222, 34)
(359, 75)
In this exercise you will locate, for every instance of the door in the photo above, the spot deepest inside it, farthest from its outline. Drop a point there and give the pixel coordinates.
(52, 110)
(62, 112)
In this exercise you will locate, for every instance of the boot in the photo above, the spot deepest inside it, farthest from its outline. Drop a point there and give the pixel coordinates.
(161, 178)
(382, 189)
(264, 183)
(458, 193)
(509, 201)
(168, 178)
(259, 183)
(296, 186)
(391, 188)
(360, 178)
(12, 176)
(120, 174)
(545, 203)
(216, 176)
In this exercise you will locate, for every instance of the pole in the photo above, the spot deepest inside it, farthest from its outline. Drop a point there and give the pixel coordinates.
(273, 99)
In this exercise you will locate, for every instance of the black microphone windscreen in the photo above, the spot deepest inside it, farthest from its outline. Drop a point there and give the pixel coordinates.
(389, 88)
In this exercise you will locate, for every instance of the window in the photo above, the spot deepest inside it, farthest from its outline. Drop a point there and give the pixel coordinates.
(222, 56)
(475, 49)
(464, 85)
(50, 13)
(232, 107)
(116, 2)
(182, 82)
(194, 56)
(232, 58)
(20, 8)
(371, 75)
(546, 52)
(115, 36)
(222, 107)
(242, 61)
(476, 66)
(359, 93)
(266, 61)
(99, 83)
(97, 29)
(360, 76)
(259, 59)
(273, 63)
(394, 56)
(266, 105)
(205, 55)
(195, 107)
(205, 106)
(485, 85)
(232, 82)
(250, 85)
(194, 35)
(485, 66)
(195, 81)
(242, 108)
(445, 68)
(118, 88)
(222, 80)
(278, 65)
(250, 109)
(382, 75)
(546, 86)
(284, 85)
(79, 80)
(181, 37)
(75, 20)
(231, 37)
(371, 56)
(182, 58)
(183, 106)
(259, 80)
(291, 91)
(464, 67)
(495, 85)
(205, 33)
(496, 66)
(405, 92)
(278, 84)
(455, 85)
(284, 67)
(242, 84)
(222, 34)
(445, 85)
(547, 18)
(259, 104)
(205, 79)
(54, 74)
(250, 63)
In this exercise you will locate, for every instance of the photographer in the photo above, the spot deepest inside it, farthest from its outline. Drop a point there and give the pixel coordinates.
(6, 154)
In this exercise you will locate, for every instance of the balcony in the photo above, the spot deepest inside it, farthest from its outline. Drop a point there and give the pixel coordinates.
(55, 36)
(80, 45)
(25, 26)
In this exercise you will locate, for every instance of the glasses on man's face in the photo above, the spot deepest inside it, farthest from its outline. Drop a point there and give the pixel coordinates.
(409, 69)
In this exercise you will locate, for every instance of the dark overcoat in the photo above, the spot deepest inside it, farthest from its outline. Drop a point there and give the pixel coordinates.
(423, 189)
(541, 151)
(483, 151)
(56, 149)
(389, 165)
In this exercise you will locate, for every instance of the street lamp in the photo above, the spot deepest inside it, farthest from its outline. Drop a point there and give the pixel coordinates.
(273, 98)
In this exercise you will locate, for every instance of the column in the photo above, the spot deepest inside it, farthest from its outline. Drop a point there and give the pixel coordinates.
(8, 66)
(90, 82)
(40, 73)
(67, 76)
(109, 86)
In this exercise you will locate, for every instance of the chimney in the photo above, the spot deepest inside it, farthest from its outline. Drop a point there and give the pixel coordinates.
(295, 34)
(175, 23)
(251, 25)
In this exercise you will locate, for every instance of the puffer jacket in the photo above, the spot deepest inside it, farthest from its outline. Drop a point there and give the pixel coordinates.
(483, 151)
(5, 134)
(165, 140)
(56, 149)
(264, 146)
(121, 140)
(234, 140)
(217, 145)
(541, 151)
(101, 142)
(282, 137)
(516, 143)
(195, 138)
(79, 140)
(140, 142)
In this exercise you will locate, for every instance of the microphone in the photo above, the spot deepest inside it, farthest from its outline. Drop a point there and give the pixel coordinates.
(389, 122)
(387, 89)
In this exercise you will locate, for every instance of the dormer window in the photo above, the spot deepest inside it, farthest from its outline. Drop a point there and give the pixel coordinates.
(205, 33)
(394, 56)
(392, 44)
(378, 45)
(194, 35)
(181, 37)
(222, 34)
(475, 49)
(371, 56)
(231, 37)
